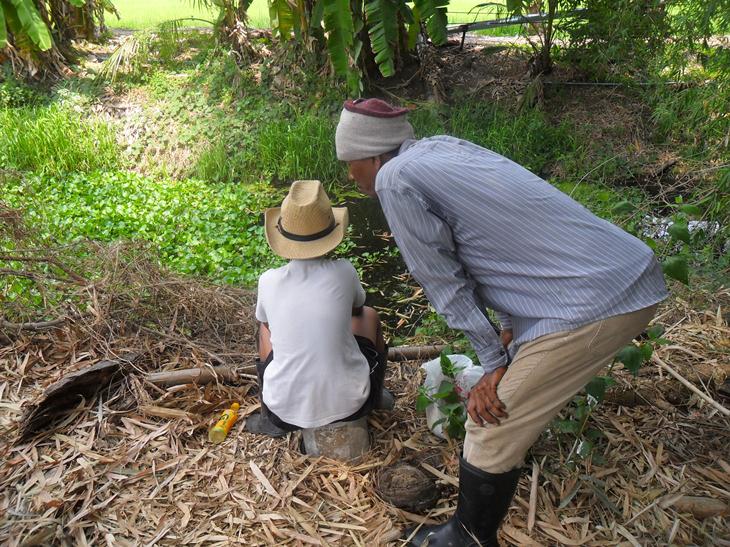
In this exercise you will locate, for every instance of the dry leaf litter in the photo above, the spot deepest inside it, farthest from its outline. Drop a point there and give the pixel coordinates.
(133, 466)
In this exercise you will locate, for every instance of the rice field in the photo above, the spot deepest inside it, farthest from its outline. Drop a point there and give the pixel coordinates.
(143, 14)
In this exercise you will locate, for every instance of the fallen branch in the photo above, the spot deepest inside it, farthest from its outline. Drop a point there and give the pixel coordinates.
(200, 375)
(73, 276)
(690, 386)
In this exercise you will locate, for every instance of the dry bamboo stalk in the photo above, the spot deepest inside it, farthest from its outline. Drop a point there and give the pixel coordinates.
(199, 375)
(532, 511)
(690, 386)
(231, 373)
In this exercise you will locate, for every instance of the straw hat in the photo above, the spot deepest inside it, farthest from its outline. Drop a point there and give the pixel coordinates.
(306, 225)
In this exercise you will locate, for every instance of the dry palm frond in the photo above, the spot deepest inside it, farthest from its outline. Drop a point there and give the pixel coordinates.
(128, 58)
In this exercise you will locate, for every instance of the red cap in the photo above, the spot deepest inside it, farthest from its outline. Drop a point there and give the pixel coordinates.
(374, 107)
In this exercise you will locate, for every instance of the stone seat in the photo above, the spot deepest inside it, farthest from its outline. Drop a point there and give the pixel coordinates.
(339, 441)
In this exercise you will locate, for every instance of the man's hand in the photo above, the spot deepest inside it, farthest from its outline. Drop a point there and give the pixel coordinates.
(505, 337)
(483, 404)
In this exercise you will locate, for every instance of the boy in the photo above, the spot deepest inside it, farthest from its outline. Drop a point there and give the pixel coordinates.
(321, 352)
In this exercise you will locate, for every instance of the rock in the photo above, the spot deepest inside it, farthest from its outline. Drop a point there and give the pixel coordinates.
(340, 441)
(407, 487)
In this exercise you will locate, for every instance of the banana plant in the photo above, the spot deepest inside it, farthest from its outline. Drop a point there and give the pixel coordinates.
(36, 34)
(21, 20)
(340, 22)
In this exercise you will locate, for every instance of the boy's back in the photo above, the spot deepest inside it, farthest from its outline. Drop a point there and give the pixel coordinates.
(308, 306)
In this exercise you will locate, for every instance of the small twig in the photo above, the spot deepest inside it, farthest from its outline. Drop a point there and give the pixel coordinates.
(32, 326)
(48, 260)
(689, 385)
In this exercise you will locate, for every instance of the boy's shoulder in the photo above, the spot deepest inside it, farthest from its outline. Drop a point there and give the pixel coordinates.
(271, 273)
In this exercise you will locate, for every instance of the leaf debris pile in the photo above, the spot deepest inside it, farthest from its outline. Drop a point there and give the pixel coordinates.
(133, 464)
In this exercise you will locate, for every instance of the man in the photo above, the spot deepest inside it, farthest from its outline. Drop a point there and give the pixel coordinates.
(478, 231)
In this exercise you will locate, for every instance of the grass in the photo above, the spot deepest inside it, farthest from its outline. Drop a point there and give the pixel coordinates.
(54, 139)
(145, 14)
(528, 138)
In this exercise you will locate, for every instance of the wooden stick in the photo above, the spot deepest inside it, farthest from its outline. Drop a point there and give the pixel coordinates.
(532, 511)
(690, 386)
(414, 353)
(228, 373)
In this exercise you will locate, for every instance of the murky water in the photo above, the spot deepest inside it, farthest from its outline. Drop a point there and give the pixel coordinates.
(384, 272)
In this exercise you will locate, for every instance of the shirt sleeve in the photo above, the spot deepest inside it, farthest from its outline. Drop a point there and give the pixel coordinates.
(505, 319)
(427, 246)
(358, 291)
(260, 311)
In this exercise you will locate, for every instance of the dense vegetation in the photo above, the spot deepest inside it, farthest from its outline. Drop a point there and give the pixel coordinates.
(180, 138)
(217, 130)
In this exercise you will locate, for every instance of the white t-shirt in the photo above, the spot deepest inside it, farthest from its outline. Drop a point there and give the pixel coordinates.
(318, 374)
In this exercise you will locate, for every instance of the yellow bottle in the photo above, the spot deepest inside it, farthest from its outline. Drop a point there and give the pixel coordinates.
(219, 431)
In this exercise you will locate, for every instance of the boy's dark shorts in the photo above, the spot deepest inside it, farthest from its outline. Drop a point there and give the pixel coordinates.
(377, 377)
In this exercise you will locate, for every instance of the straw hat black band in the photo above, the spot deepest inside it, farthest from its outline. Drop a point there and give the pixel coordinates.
(311, 237)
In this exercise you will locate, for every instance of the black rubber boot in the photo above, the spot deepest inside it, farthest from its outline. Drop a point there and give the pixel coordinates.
(262, 425)
(484, 499)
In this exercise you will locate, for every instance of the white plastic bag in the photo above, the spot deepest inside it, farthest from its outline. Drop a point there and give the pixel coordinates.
(468, 375)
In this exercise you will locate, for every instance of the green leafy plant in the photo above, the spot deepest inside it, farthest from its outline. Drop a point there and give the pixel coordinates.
(24, 23)
(577, 424)
(447, 398)
(195, 227)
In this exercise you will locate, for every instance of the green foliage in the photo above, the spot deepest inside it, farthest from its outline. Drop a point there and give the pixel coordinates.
(677, 268)
(576, 424)
(613, 35)
(383, 29)
(22, 19)
(14, 93)
(197, 228)
(335, 25)
(55, 139)
(342, 42)
(282, 18)
(631, 357)
(434, 14)
(528, 138)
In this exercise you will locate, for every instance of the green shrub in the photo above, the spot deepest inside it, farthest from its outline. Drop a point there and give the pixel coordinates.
(14, 93)
(614, 37)
(54, 139)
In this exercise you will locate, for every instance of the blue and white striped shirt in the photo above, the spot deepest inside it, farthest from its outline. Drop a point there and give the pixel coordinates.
(479, 231)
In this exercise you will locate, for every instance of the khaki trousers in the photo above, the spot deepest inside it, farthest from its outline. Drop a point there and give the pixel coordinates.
(544, 375)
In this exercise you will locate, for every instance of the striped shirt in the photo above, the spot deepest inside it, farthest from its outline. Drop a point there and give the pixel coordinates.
(479, 231)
